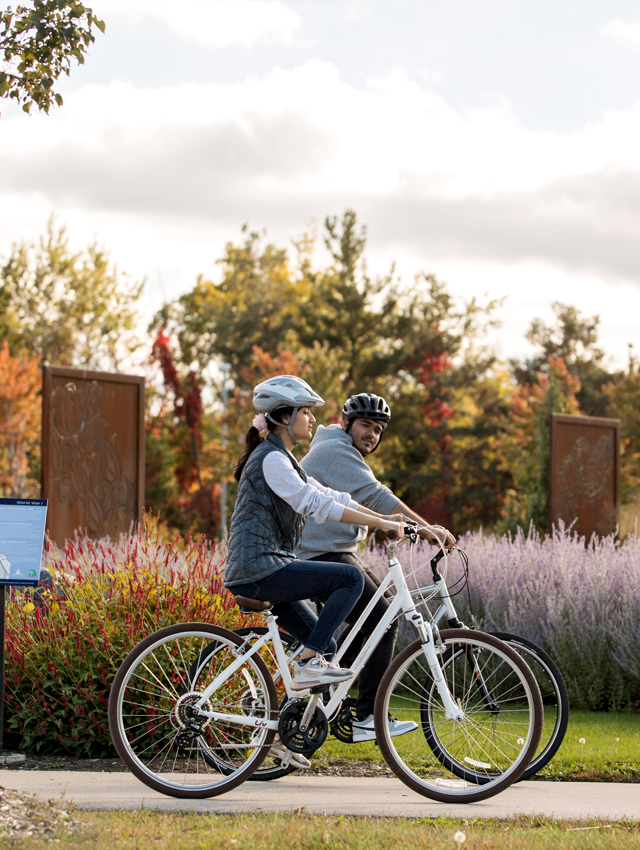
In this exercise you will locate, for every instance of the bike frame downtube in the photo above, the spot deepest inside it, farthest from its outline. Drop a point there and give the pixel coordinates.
(243, 719)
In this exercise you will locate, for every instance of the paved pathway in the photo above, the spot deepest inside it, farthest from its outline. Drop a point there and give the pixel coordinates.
(335, 795)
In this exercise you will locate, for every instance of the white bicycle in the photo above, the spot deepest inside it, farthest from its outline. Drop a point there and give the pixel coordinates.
(193, 709)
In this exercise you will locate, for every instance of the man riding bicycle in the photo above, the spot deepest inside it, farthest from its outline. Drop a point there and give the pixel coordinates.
(336, 460)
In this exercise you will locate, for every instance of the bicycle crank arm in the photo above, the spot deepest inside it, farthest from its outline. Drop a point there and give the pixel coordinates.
(309, 712)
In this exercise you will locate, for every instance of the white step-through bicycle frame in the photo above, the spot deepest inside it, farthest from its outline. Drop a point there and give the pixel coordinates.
(403, 603)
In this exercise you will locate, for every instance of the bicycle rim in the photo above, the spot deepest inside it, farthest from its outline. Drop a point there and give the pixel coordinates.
(480, 756)
(555, 699)
(149, 712)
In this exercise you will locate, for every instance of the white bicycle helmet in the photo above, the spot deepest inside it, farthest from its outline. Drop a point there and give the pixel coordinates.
(284, 391)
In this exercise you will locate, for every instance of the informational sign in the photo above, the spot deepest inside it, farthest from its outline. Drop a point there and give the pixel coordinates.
(22, 524)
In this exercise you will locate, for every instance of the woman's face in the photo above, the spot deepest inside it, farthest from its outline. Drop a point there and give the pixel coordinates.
(303, 424)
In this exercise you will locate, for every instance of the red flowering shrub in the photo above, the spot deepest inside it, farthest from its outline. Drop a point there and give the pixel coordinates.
(65, 644)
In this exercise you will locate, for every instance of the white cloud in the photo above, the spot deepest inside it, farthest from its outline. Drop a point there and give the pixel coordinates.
(217, 23)
(302, 142)
(165, 176)
(625, 33)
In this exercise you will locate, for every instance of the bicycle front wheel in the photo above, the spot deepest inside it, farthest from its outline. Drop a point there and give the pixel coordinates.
(480, 756)
(154, 729)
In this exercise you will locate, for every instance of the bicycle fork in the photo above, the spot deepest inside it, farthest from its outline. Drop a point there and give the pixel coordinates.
(452, 710)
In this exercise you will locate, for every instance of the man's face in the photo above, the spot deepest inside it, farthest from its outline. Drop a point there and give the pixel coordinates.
(365, 434)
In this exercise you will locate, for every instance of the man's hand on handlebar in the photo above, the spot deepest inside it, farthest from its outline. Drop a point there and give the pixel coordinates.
(433, 534)
(439, 535)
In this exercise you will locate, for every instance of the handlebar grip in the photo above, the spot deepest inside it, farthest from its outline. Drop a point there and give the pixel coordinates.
(391, 534)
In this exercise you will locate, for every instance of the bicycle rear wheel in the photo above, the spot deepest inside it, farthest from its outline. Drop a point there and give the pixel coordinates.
(150, 718)
(443, 759)
(555, 699)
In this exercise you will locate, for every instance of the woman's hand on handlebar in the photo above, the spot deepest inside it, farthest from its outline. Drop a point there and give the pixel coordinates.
(398, 518)
(391, 525)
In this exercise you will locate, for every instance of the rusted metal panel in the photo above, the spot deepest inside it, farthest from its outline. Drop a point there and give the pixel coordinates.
(92, 451)
(584, 480)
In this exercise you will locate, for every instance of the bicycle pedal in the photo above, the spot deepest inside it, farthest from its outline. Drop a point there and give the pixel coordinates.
(320, 689)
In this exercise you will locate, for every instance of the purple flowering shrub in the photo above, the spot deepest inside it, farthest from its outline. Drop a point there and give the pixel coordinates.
(579, 601)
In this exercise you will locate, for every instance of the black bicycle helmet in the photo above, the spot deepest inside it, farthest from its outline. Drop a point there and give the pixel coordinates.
(367, 406)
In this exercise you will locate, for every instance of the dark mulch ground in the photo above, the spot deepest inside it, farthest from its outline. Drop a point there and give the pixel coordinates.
(114, 765)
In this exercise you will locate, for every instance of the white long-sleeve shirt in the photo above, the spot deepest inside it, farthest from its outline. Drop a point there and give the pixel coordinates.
(310, 498)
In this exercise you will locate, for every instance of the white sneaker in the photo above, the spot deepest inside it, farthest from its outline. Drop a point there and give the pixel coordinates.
(288, 758)
(364, 730)
(317, 671)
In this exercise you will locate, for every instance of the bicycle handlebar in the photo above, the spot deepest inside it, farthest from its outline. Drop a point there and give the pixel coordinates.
(408, 529)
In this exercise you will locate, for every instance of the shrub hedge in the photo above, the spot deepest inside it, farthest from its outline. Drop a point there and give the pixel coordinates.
(65, 642)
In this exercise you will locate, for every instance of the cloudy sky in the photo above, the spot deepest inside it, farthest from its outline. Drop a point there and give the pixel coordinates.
(496, 144)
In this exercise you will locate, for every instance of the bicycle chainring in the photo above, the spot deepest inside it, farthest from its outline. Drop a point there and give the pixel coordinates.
(342, 725)
(292, 737)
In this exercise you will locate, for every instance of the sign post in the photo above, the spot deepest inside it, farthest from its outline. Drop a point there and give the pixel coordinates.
(22, 526)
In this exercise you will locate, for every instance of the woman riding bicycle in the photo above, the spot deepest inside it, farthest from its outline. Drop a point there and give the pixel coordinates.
(274, 498)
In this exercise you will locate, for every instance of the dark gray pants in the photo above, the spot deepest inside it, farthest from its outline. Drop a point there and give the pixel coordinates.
(380, 659)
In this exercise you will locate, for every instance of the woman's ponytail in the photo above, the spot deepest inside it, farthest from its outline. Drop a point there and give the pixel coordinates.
(252, 441)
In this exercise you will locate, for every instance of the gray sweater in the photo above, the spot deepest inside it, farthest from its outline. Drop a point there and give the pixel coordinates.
(335, 462)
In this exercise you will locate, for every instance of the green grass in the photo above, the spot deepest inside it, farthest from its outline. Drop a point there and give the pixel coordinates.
(179, 831)
(601, 758)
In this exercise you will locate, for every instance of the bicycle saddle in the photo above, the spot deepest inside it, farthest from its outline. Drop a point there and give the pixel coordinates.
(248, 605)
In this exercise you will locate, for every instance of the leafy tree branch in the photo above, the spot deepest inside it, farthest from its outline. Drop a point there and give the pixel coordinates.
(40, 42)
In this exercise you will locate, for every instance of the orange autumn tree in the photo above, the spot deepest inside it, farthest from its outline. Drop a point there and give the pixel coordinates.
(317, 365)
(20, 425)
(181, 482)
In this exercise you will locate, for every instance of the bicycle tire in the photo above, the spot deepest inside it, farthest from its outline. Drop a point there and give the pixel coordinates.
(408, 691)
(149, 712)
(555, 699)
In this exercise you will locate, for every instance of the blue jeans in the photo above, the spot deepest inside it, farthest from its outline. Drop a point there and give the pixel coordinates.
(341, 584)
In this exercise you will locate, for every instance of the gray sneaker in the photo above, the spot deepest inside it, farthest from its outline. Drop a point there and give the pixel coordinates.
(364, 730)
(317, 671)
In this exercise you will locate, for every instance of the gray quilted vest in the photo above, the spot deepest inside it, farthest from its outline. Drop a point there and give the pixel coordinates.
(264, 528)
